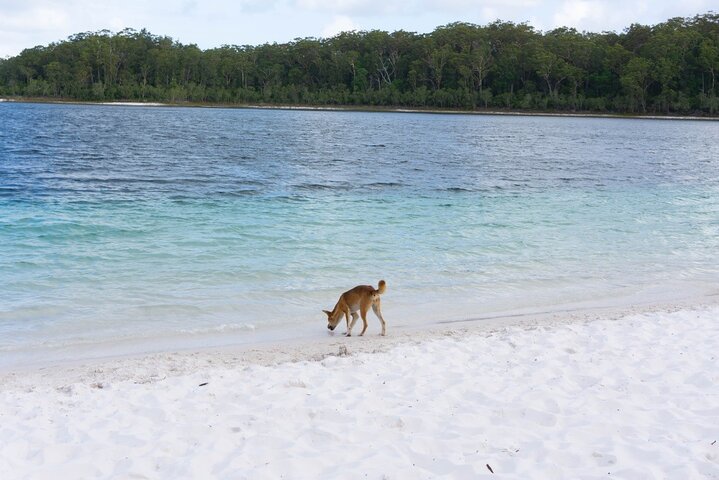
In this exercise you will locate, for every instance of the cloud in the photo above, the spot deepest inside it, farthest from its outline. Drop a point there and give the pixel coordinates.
(572, 13)
(456, 5)
(210, 23)
(356, 7)
(33, 23)
(339, 24)
(257, 6)
(35, 18)
(413, 8)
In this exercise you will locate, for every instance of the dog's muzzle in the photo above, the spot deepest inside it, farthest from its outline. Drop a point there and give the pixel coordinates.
(330, 327)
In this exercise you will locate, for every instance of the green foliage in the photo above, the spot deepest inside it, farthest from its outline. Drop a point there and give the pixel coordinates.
(669, 68)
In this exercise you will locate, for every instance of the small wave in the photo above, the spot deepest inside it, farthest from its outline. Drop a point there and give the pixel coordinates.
(292, 198)
(28, 151)
(127, 180)
(321, 186)
(457, 189)
(246, 182)
(384, 184)
(247, 192)
(64, 231)
(168, 309)
(225, 327)
(212, 199)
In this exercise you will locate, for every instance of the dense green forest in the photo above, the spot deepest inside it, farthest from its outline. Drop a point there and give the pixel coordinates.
(667, 68)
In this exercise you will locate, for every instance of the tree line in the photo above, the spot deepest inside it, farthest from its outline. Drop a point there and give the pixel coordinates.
(670, 67)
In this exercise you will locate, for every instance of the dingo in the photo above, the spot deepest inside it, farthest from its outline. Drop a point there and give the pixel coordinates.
(359, 299)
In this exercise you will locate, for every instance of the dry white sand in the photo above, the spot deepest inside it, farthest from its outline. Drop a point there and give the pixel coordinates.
(576, 396)
(134, 104)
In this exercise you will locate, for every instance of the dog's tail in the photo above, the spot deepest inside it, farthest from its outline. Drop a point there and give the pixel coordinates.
(382, 287)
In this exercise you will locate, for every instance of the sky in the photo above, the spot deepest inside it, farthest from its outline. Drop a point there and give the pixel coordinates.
(212, 23)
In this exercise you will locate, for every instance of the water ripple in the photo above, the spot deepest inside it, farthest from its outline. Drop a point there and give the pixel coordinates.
(122, 222)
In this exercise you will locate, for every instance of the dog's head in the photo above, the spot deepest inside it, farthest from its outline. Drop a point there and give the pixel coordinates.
(332, 320)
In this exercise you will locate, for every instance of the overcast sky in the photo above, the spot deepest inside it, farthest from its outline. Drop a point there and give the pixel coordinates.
(211, 23)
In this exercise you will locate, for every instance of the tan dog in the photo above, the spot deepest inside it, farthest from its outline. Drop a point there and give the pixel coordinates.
(359, 299)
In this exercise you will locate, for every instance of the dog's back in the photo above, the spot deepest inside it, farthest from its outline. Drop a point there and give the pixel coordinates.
(354, 296)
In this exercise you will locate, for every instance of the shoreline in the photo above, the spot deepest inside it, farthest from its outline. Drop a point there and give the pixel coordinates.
(368, 108)
(631, 395)
(119, 347)
(313, 345)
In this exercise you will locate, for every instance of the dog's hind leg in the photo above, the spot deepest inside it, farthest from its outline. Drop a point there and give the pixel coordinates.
(363, 312)
(378, 312)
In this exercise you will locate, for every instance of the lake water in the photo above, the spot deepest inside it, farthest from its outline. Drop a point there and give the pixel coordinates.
(130, 224)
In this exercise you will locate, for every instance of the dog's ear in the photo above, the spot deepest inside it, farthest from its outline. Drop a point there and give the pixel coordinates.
(328, 313)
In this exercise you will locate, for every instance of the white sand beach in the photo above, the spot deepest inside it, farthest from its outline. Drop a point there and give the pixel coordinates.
(134, 104)
(632, 395)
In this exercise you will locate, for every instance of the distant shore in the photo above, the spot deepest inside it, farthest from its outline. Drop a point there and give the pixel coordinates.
(362, 108)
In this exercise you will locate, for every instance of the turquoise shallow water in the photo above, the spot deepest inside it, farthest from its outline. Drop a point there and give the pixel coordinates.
(134, 223)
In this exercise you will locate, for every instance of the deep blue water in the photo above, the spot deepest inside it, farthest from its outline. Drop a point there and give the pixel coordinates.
(120, 222)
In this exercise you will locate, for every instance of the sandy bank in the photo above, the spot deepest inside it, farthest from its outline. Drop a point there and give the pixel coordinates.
(573, 396)
(353, 108)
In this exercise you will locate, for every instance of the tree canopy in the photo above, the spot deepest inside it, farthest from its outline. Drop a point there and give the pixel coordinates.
(666, 68)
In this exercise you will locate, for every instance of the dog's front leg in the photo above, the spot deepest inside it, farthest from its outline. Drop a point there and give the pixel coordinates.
(349, 324)
(352, 323)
